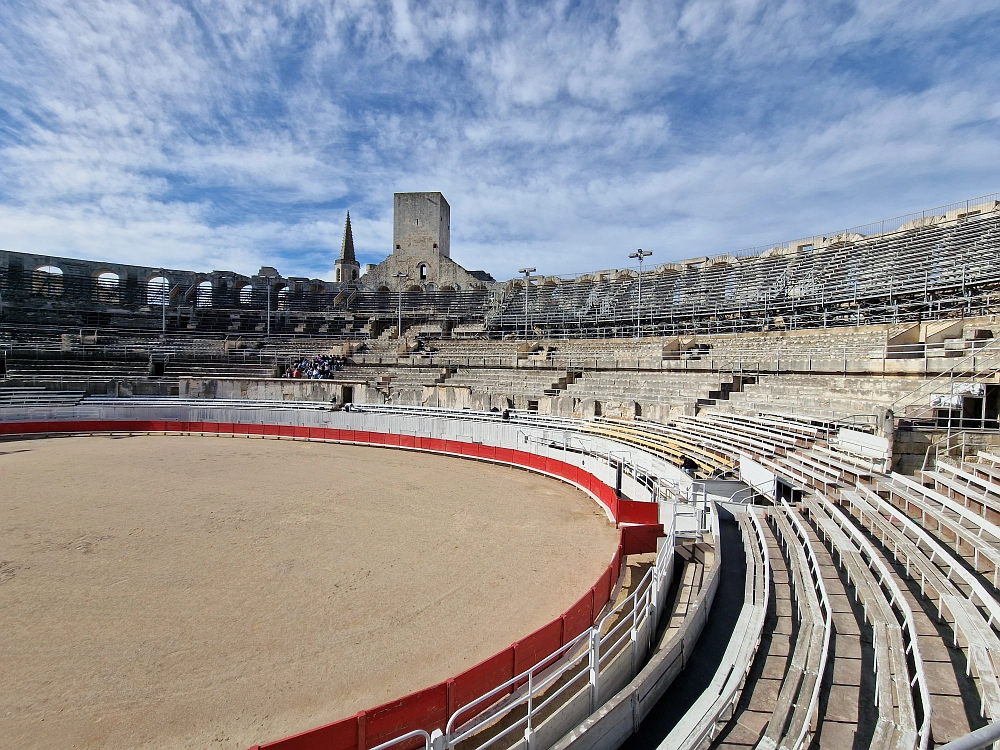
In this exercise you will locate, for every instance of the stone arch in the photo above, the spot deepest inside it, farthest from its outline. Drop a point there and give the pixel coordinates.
(158, 290)
(422, 272)
(203, 294)
(284, 296)
(107, 285)
(47, 281)
(246, 294)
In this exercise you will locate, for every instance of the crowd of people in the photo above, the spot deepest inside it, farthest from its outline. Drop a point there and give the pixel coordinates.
(321, 367)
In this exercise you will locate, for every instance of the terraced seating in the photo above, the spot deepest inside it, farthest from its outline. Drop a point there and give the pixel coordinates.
(960, 598)
(27, 396)
(647, 387)
(764, 347)
(795, 711)
(899, 687)
(975, 485)
(672, 445)
(926, 264)
(714, 706)
(507, 381)
(829, 396)
(973, 537)
(753, 711)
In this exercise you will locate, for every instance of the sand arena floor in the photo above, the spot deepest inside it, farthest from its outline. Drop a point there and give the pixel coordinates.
(209, 592)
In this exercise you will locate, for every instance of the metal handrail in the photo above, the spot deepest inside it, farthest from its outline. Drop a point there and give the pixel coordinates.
(991, 349)
(976, 740)
(403, 738)
(640, 605)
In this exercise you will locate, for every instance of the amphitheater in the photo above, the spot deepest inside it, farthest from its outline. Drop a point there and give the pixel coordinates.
(750, 500)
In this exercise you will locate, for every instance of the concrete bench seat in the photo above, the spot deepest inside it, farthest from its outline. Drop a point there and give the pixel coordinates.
(796, 703)
(854, 468)
(984, 486)
(729, 437)
(765, 428)
(954, 524)
(800, 475)
(928, 563)
(673, 448)
(879, 593)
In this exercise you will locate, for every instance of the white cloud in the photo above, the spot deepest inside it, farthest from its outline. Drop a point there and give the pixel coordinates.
(564, 134)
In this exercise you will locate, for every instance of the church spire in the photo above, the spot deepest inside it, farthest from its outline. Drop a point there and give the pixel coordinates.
(347, 246)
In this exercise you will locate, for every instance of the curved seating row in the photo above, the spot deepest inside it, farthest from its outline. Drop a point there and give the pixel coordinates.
(883, 576)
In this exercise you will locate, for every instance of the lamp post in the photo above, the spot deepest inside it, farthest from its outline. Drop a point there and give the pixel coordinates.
(399, 319)
(269, 275)
(527, 279)
(639, 254)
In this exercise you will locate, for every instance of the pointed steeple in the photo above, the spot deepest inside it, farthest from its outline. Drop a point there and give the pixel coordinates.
(347, 246)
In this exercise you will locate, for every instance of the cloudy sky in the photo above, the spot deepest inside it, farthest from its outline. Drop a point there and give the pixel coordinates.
(230, 134)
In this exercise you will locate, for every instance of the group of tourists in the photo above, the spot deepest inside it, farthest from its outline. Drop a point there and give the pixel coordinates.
(321, 367)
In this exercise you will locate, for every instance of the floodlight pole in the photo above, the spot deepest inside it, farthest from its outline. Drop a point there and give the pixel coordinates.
(268, 306)
(527, 282)
(640, 254)
(399, 319)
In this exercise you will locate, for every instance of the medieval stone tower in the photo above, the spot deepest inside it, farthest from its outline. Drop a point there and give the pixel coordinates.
(421, 249)
(421, 229)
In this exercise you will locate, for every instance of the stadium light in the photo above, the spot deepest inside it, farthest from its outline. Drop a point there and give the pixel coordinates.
(527, 278)
(641, 255)
(400, 275)
(269, 274)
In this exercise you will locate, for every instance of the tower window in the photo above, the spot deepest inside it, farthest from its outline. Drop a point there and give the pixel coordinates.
(423, 272)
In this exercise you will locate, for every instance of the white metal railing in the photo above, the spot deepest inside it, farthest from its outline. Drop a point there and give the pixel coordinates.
(580, 664)
(591, 661)
(406, 738)
(976, 740)
(983, 361)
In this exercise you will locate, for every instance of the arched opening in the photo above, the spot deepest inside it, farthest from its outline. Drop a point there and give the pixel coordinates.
(107, 288)
(354, 275)
(338, 276)
(157, 289)
(414, 288)
(246, 294)
(422, 271)
(383, 289)
(47, 281)
(203, 295)
(283, 298)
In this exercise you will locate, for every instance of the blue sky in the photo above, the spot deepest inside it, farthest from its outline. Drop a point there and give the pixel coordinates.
(229, 135)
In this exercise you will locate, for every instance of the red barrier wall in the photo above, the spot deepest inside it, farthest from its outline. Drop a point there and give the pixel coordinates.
(431, 707)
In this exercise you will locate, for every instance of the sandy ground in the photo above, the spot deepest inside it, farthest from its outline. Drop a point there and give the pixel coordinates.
(209, 592)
